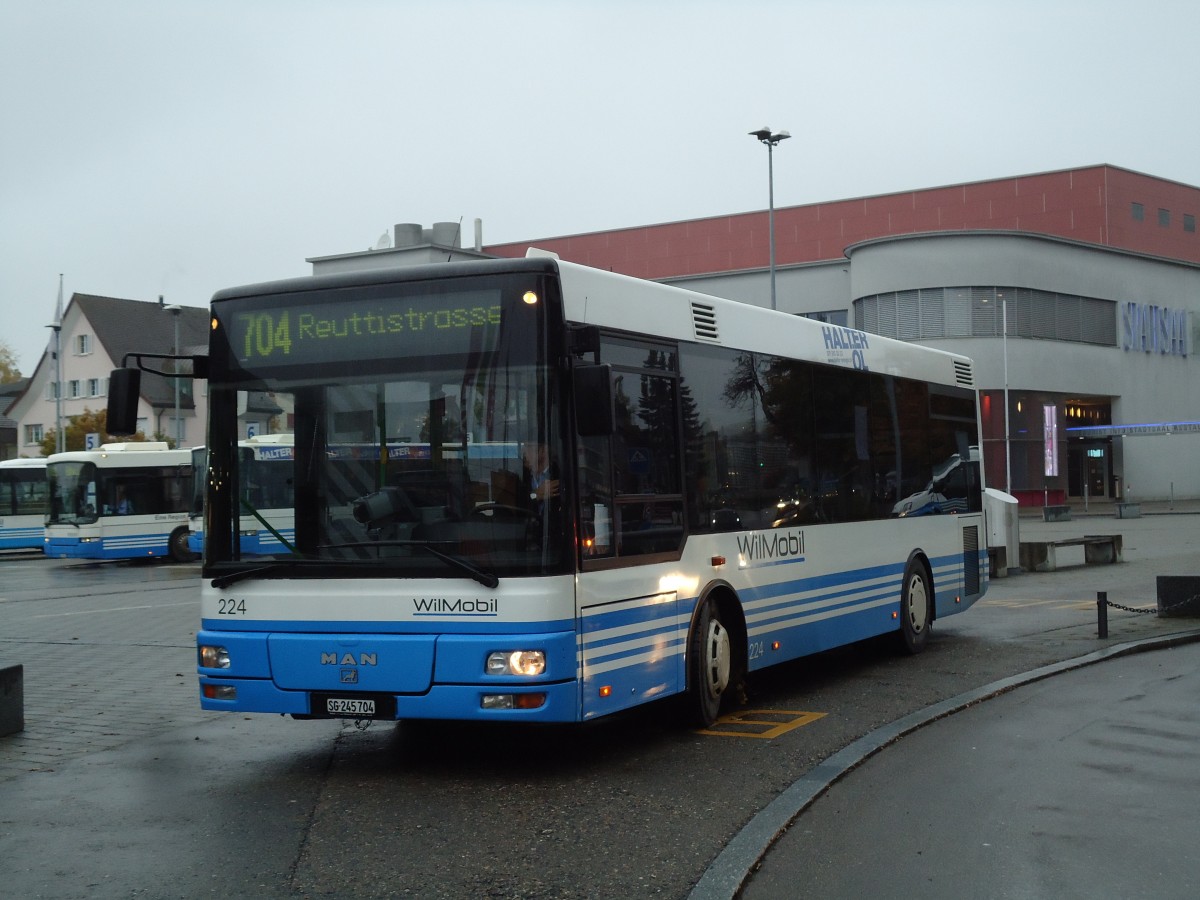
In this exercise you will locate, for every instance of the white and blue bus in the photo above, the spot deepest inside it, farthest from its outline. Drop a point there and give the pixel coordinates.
(24, 502)
(691, 489)
(266, 500)
(122, 501)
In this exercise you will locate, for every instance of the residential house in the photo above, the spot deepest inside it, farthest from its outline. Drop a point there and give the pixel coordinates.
(95, 335)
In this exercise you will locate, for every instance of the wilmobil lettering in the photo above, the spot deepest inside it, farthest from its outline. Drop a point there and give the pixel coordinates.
(771, 545)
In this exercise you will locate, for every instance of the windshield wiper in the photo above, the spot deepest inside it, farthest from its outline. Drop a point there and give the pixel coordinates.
(241, 574)
(487, 579)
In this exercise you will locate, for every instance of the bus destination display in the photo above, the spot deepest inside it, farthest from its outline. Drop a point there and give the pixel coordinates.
(361, 329)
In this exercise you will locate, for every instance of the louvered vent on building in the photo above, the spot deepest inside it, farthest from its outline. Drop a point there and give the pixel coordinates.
(704, 322)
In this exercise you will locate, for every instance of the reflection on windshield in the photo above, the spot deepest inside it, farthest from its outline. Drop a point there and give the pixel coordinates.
(946, 492)
(421, 475)
(72, 493)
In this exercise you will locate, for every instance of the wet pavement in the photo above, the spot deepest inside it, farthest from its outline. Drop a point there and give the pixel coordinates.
(1076, 779)
(121, 786)
(1086, 784)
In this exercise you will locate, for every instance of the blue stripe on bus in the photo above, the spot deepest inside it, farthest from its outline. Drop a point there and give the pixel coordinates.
(768, 608)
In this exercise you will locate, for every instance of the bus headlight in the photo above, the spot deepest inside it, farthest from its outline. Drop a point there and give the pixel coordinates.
(212, 657)
(516, 662)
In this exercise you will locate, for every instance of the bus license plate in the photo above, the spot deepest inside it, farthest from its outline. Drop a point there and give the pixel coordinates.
(344, 706)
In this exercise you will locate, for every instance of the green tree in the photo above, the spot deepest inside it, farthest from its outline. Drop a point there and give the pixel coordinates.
(8, 365)
(79, 427)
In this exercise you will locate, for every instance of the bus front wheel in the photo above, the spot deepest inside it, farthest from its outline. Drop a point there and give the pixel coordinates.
(916, 608)
(711, 664)
(177, 545)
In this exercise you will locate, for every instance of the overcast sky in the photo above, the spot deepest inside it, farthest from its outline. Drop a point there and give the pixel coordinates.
(155, 147)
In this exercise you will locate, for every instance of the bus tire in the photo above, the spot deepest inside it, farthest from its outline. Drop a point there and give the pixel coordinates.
(710, 664)
(177, 545)
(916, 608)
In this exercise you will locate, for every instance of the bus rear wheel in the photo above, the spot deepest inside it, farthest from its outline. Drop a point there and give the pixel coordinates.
(710, 664)
(177, 545)
(916, 608)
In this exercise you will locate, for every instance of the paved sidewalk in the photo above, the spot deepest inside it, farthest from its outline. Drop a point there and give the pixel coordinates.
(1081, 785)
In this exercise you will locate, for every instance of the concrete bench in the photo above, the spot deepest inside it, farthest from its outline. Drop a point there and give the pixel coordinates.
(1098, 549)
(1057, 513)
(12, 699)
(1129, 510)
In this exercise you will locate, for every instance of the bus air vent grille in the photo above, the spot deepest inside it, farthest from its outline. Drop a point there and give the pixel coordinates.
(963, 374)
(971, 560)
(704, 321)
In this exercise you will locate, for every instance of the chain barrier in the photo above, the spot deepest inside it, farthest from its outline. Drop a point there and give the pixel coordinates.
(1103, 604)
(1153, 610)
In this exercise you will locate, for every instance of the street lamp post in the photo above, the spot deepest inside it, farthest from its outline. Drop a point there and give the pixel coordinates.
(770, 138)
(175, 309)
(60, 439)
(1007, 431)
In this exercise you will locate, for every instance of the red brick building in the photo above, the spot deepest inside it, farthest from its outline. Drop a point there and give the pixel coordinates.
(1103, 205)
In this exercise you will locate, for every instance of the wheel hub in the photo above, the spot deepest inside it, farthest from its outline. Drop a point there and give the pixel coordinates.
(718, 658)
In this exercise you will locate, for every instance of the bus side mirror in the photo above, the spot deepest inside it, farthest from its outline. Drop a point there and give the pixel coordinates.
(124, 390)
(595, 415)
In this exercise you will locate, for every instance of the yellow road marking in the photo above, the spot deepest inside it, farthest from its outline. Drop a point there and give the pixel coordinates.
(764, 724)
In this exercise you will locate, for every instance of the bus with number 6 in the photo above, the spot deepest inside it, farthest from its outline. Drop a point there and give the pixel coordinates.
(266, 495)
(24, 501)
(696, 489)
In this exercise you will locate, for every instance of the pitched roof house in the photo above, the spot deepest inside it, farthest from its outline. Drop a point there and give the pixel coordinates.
(94, 336)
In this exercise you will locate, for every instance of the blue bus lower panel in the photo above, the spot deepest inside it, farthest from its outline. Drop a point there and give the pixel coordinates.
(846, 609)
(22, 538)
(101, 548)
(444, 701)
(427, 676)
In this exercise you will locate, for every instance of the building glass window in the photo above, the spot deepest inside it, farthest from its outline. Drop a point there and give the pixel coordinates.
(1164, 218)
(984, 311)
(1189, 222)
(33, 434)
(73, 389)
(97, 387)
(83, 344)
(829, 317)
(1137, 211)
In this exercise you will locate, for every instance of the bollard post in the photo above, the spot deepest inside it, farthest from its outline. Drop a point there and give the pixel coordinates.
(1102, 613)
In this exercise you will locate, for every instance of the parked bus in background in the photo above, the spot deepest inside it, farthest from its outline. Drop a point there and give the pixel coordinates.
(122, 501)
(266, 476)
(24, 502)
(692, 489)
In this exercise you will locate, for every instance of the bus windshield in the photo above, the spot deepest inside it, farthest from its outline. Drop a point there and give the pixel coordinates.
(438, 458)
(72, 493)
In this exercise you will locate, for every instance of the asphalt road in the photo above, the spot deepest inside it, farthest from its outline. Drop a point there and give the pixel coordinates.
(121, 786)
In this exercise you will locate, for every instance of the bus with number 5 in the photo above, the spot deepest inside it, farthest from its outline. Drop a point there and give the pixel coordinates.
(121, 501)
(695, 489)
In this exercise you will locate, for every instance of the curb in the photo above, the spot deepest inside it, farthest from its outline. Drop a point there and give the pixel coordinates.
(733, 866)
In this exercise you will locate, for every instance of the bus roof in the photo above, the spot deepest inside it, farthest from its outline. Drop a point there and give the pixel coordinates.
(22, 462)
(607, 299)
